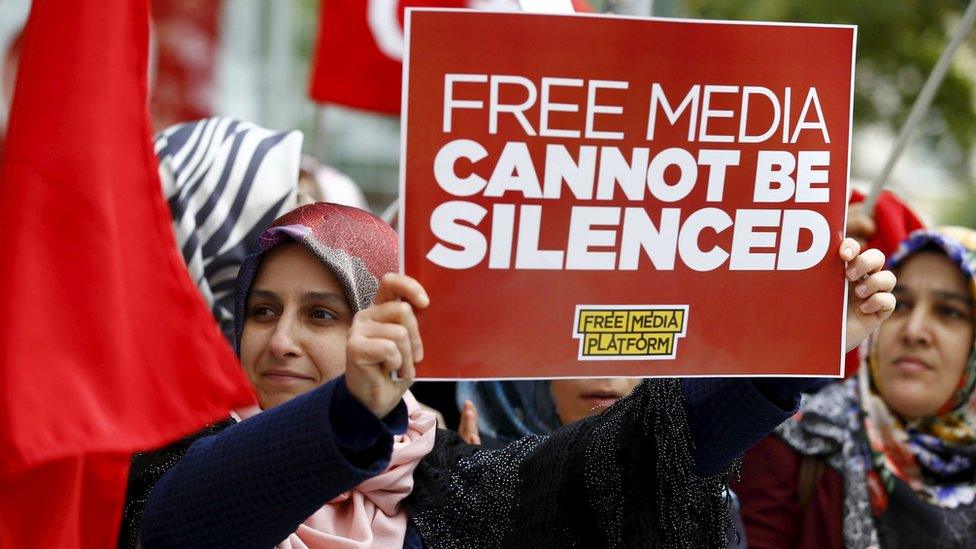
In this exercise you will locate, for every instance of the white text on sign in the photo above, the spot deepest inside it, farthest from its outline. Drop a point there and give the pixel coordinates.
(615, 237)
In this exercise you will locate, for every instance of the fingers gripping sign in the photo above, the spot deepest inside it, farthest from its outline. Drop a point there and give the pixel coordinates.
(384, 344)
(870, 300)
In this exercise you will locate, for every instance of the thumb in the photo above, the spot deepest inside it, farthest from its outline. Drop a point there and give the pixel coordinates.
(469, 423)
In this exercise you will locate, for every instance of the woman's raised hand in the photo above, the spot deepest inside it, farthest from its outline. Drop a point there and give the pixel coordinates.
(869, 299)
(383, 339)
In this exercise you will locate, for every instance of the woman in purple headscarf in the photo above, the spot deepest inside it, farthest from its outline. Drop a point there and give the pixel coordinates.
(887, 458)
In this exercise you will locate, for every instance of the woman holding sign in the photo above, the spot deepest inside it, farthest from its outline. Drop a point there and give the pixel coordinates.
(341, 455)
(889, 456)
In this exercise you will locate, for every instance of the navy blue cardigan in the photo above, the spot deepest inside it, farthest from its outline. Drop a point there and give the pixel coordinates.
(254, 482)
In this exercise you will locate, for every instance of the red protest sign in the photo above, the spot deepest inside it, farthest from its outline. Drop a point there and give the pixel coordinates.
(649, 197)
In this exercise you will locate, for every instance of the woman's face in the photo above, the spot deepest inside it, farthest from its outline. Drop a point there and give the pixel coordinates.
(923, 349)
(578, 398)
(295, 326)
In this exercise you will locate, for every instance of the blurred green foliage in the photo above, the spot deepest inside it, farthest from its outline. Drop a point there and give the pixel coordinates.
(898, 43)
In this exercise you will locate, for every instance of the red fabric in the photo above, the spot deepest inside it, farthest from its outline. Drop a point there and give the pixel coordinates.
(107, 347)
(186, 42)
(82, 499)
(349, 68)
(894, 218)
(768, 491)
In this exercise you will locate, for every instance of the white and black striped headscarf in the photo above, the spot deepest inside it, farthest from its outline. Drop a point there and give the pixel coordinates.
(225, 181)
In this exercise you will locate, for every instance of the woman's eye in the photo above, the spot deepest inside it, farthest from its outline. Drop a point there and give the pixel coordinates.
(322, 315)
(953, 313)
(902, 305)
(260, 311)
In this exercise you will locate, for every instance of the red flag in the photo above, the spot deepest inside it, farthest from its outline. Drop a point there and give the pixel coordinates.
(107, 347)
(186, 40)
(358, 54)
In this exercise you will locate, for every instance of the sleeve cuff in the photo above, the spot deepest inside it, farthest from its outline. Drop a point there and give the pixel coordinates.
(698, 390)
(730, 420)
(357, 432)
(784, 392)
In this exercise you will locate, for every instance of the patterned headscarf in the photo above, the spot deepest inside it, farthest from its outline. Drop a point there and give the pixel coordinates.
(850, 426)
(925, 452)
(225, 181)
(357, 247)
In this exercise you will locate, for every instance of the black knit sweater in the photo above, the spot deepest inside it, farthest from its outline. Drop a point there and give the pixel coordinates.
(648, 472)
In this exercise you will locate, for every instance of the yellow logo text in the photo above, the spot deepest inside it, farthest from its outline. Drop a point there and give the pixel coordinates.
(629, 332)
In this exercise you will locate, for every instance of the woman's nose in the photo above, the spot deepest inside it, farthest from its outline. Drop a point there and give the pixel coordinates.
(917, 329)
(284, 340)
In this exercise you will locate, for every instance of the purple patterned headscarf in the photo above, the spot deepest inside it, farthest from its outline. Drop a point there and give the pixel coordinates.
(850, 425)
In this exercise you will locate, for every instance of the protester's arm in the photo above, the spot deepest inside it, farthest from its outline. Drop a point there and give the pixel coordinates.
(651, 467)
(727, 416)
(255, 482)
(145, 470)
(623, 478)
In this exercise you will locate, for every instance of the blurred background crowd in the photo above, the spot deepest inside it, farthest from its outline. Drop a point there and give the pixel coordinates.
(254, 60)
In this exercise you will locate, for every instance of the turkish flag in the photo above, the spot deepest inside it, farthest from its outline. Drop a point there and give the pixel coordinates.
(107, 347)
(357, 60)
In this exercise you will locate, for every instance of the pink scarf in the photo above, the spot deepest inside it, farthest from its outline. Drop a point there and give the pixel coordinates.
(370, 514)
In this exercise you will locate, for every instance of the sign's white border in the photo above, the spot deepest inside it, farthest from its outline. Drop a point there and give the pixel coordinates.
(401, 215)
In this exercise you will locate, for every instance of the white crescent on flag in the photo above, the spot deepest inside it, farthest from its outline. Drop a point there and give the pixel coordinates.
(384, 22)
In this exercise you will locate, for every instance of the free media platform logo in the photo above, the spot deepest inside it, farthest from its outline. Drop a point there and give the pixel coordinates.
(629, 332)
